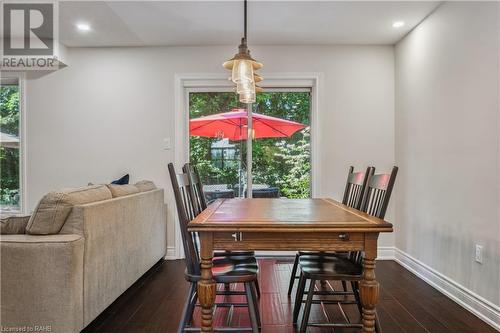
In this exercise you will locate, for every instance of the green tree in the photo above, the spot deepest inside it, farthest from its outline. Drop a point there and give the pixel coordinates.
(9, 157)
(297, 155)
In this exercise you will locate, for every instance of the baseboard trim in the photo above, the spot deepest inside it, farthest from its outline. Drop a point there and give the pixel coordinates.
(482, 308)
(171, 253)
(385, 253)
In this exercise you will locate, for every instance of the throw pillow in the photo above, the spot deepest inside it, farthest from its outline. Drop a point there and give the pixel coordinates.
(122, 181)
(11, 225)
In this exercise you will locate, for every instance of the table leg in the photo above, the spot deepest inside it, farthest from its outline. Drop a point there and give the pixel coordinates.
(206, 286)
(369, 287)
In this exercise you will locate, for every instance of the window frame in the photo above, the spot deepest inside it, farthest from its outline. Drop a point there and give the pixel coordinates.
(11, 78)
(311, 90)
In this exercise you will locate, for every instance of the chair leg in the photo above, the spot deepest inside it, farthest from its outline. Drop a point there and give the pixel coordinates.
(192, 305)
(298, 297)
(344, 286)
(187, 311)
(257, 287)
(251, 307)
(307, 308)
(256, 301)
(294, 271)
(355, 290)
(378, 328)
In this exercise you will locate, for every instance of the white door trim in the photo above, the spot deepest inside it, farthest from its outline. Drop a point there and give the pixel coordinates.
(217, 82)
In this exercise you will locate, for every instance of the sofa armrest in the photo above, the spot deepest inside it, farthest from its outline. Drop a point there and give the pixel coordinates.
(41, 282)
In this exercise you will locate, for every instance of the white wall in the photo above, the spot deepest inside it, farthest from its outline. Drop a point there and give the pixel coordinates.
(447, 144)
(107, 113)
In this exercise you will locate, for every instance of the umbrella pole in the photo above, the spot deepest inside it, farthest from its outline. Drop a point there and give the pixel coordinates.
(249, 150)
(240, 189)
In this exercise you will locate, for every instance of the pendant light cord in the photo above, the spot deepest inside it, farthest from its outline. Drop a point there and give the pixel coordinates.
(245, 20)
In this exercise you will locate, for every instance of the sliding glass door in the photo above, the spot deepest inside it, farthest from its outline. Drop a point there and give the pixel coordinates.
(281, 165)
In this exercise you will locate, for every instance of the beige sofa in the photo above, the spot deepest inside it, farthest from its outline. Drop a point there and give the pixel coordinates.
(62, 275)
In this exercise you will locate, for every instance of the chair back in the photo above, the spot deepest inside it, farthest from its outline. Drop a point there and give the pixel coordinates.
(355, 186)
(197, 194)
(375, 199)
(181, 186)
(378, 193)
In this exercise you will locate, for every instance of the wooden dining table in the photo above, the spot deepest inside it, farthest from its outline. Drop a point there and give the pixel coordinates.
(287, 224)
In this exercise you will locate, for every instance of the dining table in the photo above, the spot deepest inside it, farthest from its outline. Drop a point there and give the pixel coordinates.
(270, 224)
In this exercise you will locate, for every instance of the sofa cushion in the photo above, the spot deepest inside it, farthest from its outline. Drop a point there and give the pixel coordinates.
(122, 190)
(52, 211)
(11, 225)
(145, 185)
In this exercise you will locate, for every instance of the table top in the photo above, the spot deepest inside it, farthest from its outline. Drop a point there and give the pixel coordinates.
(285, 215)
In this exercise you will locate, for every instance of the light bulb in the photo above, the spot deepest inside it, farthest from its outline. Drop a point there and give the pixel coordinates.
(242, 71)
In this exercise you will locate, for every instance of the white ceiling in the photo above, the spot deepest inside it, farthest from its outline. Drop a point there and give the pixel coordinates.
(140, 23)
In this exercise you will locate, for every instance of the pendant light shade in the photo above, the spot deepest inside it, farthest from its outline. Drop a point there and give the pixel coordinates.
(245, 87)
(242, 71)
(243, 67)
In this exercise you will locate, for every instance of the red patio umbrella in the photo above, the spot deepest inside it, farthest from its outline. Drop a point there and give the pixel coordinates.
(232, 125)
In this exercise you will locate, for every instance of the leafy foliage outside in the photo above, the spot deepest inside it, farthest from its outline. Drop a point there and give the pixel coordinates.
(277, 162)
(9, 157)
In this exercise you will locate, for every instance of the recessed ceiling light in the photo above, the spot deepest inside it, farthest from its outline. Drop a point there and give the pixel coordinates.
(83, 26)
(398, 24)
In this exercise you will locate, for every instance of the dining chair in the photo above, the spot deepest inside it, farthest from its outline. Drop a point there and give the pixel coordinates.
(200, 203)
(355, 186)
(337, 268)
(225, 269)
(353, 195)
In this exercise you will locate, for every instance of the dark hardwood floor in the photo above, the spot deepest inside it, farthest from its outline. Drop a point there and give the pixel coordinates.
(407, 304)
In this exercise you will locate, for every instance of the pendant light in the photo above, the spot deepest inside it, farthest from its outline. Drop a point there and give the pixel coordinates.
(243, 67)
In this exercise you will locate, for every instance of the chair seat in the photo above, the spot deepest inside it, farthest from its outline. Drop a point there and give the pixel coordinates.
(330, 268)
(231, 270)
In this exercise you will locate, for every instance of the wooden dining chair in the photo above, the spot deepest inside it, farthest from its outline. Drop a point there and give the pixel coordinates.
(225, 269)
(375, 202)
(353, 196)
(355, 186)
(200, 203)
